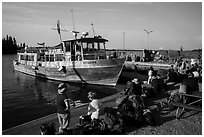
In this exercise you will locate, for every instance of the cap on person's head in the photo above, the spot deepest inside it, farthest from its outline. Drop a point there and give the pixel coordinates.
(91, 94)
(62, 87)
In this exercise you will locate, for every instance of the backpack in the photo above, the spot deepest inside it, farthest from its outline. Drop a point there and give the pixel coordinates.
(148, 117)
(175, 97)
(132, 107)
(111, 121)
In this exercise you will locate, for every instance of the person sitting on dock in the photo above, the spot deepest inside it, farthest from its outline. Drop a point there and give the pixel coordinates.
(191, 83)
(137, 88)
(128, 88)
(158, 85)
(95, 109)
(63, 108)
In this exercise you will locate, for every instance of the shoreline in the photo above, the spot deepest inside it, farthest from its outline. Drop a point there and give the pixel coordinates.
(33, 127)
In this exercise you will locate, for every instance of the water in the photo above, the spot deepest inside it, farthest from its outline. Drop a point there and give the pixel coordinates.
(25, 98)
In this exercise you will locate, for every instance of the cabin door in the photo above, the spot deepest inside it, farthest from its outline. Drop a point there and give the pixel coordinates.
(73, 51)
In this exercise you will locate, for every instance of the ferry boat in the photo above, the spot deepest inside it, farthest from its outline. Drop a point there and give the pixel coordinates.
(81, 60)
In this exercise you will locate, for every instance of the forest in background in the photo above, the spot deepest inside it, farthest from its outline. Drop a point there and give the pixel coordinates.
(10, 46)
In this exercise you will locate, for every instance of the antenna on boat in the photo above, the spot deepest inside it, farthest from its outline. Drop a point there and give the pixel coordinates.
(59, 30)
(74, 31)
(93, 28)
(73, 19)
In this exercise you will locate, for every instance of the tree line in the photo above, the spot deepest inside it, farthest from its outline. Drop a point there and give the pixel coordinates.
(10, 46)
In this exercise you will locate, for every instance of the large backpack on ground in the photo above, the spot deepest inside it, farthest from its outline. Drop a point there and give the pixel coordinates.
(174, 97)
(131, 108)
(111, 120)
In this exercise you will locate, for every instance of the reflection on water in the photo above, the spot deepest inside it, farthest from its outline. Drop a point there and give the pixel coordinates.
(25, 98)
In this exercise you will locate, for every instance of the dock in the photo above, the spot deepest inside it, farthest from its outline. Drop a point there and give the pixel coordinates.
(145, 65)
(33, 127)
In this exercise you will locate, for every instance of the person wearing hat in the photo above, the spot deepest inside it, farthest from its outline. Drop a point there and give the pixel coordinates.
(63, 108)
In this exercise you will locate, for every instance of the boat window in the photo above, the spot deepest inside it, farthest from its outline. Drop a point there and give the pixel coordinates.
(58, 57)
(89, 47)
(22, 57)
(78, 47)
(30, 58)
(85, 46)
(93, 46)
(41, 57)
(96, 47)
(101, 46)
(67, 46)
(51, 58)
(47, 58)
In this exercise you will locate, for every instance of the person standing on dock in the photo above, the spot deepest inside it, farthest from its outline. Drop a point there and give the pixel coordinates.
(63, 108)
(150, 75)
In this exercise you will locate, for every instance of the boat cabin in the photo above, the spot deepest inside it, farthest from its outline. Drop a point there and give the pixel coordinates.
(84, 48)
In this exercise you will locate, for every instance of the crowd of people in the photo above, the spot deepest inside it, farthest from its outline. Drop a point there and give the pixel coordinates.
(181, 69)
(188, 74)
(130, 110)
(131, 107)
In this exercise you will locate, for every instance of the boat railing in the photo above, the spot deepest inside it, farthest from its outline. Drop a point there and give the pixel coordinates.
(94, 56)
(77, 57)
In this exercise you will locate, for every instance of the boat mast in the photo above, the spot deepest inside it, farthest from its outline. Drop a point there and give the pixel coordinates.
(59, 30)
(73, 19)
(93, 29)
(74, 31)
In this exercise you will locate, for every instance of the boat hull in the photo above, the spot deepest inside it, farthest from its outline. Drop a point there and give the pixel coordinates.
(104, 72)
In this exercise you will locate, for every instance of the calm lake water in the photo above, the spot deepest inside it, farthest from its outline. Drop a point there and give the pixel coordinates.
(25, 98)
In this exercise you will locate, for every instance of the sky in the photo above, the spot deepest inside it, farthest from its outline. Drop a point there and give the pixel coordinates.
(174, 24)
